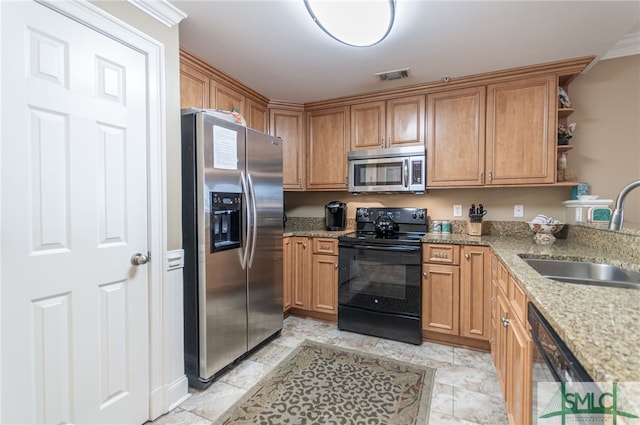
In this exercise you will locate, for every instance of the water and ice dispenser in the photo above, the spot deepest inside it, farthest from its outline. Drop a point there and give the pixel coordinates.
(226, 219)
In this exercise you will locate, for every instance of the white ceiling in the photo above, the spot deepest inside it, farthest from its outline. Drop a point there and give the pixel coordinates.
(275, 48)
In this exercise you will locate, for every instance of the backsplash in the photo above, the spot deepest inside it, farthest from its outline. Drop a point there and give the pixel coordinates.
(625, 243)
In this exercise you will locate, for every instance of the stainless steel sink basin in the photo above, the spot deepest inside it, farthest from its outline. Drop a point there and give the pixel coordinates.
(586, 273)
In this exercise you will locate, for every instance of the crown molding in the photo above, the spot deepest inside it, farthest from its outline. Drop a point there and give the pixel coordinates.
(160, 10)
(627, 46)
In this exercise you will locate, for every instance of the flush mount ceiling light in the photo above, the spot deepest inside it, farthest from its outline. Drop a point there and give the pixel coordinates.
(355, 23)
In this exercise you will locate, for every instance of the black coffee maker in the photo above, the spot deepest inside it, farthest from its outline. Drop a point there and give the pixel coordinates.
(335, 215)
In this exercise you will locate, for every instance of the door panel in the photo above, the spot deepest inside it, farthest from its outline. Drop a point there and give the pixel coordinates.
(75, 309)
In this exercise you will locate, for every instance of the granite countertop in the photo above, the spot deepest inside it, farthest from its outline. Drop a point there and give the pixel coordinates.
(600, 325)
(317, 233)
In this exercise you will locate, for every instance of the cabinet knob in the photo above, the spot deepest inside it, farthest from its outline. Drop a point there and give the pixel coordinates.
(505, 322)
(490, 176)
(304, 245)
(335, 266)
(467, 256)
(424, 274)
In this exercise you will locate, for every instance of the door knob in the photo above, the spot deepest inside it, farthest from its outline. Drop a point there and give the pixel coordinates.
(139, 259)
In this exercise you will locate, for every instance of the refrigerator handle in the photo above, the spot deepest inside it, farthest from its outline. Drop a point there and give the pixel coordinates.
(246, 221)
(254, 218)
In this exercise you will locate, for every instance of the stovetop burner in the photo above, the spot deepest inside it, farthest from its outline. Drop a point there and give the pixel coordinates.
(410, 226)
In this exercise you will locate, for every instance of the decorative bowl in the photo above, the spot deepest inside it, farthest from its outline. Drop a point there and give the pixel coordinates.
(544, 232)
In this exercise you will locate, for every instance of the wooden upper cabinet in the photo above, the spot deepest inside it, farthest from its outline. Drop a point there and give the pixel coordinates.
(455, 137)
(194, 88)
(405, 121)
(225, 98)
(521, 131)
(289, 125)
(368, 126)
(328, 133)
(257, 116)
(394, 123)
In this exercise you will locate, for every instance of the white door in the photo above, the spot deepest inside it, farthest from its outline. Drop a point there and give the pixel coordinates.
(74, 209)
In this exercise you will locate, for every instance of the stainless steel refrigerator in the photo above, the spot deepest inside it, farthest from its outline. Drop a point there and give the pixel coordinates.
(232, 237)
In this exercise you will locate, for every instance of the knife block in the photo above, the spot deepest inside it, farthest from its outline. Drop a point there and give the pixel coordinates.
(474, 229)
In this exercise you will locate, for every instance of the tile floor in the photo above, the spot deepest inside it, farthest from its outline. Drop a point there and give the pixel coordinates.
(466, 389)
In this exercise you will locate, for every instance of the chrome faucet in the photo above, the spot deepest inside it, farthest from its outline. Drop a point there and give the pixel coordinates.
(617, 218)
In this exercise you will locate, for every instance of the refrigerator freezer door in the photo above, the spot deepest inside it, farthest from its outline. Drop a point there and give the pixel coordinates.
(264, 290)
(222, 285)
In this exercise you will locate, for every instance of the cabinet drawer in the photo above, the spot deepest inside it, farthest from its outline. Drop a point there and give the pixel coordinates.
(327, 246)
(441, 254)
(517, 301)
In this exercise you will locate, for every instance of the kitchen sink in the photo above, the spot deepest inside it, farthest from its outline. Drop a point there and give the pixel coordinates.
(585, 273)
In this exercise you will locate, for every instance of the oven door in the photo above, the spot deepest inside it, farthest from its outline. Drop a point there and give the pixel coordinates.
(381, 278)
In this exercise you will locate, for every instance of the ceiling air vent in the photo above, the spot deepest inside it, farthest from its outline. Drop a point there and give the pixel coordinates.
(393, 75)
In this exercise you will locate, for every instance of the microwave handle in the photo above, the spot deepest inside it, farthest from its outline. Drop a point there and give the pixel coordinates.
(406, 172)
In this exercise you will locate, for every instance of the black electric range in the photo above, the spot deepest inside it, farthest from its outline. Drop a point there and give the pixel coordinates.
(380, 289)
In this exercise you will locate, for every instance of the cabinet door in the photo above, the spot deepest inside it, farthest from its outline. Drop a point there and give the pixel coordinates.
(518, 374)
(501, 344)
(367, 126)
(494, 307)
(440, 298)
(455, 137)
(225, 98)
(405, 121)
(194, 88)
(475, 296)
(328, 133)
(288, 125)
(257, 116)
(301, 287)
(287, 272)
(521, 131)
(325, 283)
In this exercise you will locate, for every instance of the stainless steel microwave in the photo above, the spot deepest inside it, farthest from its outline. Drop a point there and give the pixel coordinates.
(387, 170)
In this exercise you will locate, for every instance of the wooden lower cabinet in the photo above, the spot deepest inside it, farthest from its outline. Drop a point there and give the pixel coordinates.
(518, 373)
(325, 284)
(311, 265)
(287, 273)
(456, 294)
(475, 292)
(512, 347)
(301, 277)
(440, 298)
(501, 342)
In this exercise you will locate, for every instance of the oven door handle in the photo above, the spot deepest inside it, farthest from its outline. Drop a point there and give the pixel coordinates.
(396, 248)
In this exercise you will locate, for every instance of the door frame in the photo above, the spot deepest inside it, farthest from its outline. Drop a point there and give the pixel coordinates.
(99, 20)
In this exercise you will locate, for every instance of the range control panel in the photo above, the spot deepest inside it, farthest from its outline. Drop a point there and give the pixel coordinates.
(398, 215)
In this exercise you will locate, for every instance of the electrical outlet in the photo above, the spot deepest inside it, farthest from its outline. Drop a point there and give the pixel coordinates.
(457, 210)
(518, 210)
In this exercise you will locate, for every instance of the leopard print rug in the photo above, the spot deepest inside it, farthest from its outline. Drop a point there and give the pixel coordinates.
(323, 384)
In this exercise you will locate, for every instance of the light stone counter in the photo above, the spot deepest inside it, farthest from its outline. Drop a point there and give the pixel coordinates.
(600, 325)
